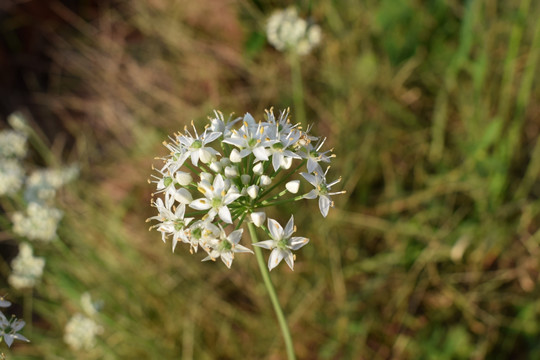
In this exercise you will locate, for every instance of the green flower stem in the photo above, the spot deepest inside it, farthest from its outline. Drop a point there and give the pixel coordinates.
(272, 293)
(265, 204)
(298, 91)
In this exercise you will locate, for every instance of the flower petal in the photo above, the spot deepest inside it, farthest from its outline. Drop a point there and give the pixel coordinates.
(275, 258)
(289, 259)
(276, 231)
(297, 242)
(324, 204)
(289, 228)
(266, 244)
(225, 214)
(200, 204)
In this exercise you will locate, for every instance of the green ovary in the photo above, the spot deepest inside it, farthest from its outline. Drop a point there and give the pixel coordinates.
(179, 225)
(197, 144)
(216, 203)
(167, 181)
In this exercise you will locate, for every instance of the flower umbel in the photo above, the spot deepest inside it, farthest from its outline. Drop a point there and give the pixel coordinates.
(233, 171)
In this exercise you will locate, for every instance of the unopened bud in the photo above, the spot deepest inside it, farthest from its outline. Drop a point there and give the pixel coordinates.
(258, 218)
(293, 186)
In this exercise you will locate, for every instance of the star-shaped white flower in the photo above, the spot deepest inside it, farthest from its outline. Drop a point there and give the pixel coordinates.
(226, 246)
(282, 243)
(196, 145)
(217, 197)
(321, 190)
(314, 156)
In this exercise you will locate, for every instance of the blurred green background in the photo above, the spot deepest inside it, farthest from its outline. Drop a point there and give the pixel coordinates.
(432, 108)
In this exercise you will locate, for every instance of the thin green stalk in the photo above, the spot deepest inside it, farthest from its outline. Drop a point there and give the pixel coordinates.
(272, 293)
(298, 90)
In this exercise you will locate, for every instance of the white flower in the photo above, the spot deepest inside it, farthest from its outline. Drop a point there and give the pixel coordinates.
(89, 307)
(219, 124)
(39, 222)
(217, 197)
(314, 156)
(27, 269)
(196, 146)
(202, 232)
(293, 186)
(81, 331)
(250, 139)
(172, 222)
(287, 32)
(18, 121)
(11, 176)
(10, 328)
(12, 144)
(282, 243)
(258, 218)
(321, 190)
(226, 246)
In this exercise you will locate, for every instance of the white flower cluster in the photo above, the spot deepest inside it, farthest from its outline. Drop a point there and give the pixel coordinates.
(81, 330)
(12, 150)
(26, 268)
(287, 32)
(42, 184)
(230, 171)
(9, 328)
(39, 222)
(39, 219)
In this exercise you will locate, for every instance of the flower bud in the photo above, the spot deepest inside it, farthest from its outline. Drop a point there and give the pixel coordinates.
(235, 156)
(206, 156)
(216, 166)
(231, 172)
(225, 162)
(293, 186)
(207, 176)
(183, 178)
(265, 180)
(258, 218)
(253, 191)
(258, 169)
(183, 196)
(245, 178)
(286, 163)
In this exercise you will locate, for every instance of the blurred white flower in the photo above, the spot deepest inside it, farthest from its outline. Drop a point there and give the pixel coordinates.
(287, 32)
(81, 331)
(41, 185)
(12, 144)
(18, 121)
(11, 176)
(26, 268)
(38, 223)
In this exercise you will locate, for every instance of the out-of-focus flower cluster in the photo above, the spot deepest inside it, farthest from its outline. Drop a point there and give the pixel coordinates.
(81, 330)
(230, 171)
(29, 193)
(9, 328)
(288, 32)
